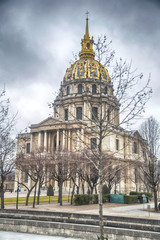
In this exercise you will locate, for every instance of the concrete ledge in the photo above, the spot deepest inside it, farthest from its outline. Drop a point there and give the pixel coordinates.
(73, 230)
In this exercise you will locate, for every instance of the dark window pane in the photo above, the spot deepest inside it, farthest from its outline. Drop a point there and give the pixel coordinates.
(68, 90)
(117, 144)
(93, 143)
(105, 90)
(108, 115)
(79, 113)
(94, 89)
(135, 147)
(66, 114)
(94, 113)
(28, 148)
(80, 88)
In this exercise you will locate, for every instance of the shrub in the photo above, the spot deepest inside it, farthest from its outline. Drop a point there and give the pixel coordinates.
(50, 191)
(81, 199)
(105, 190)
(95, 198)
(148, 194)
(130, 199)
(106, 198)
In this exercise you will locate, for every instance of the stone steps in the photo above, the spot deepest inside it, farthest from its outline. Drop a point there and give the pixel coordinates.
(152, 225)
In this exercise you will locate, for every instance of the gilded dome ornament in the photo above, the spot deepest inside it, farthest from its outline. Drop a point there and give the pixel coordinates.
(86, 67)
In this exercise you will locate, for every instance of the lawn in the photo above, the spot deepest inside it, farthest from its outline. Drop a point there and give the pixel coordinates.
(43, 199)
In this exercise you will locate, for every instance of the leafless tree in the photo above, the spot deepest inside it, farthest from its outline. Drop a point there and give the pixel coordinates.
(35, 166)
(150, 131)
(7, 143)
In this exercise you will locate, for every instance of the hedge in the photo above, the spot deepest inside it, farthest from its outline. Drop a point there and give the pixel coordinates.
(130, 199)
(83, 199)
(148, 194)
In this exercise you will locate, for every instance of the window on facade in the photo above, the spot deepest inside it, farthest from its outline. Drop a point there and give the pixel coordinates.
(94, 89)
(68, 90)
(28, 148)
(79, 113)
(108, 114)
(117, 144)
(80, 88)
(94, 113)
(134, 147)
(26, 178)
(66, 114)
(93, 143)
(105, 90)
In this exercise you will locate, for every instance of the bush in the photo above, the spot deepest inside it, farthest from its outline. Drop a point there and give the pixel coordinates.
(130, 199)
(148, 194)
(105, 190)
(106, 198)
(95, 198)
(81, 199)
(50, 191)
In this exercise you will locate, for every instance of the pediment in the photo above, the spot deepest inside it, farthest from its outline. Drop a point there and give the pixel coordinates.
(47, 122)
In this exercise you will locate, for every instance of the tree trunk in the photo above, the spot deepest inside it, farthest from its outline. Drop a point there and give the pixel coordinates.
(155, 200)
(39, 192)
(60, 192)
(72, 194)
(34, 199)
(2, 192)
(2, 198)
(100, 200)
(17, 197)
(28, 194)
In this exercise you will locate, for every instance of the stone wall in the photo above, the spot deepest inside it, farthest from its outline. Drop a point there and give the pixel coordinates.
(82, 231)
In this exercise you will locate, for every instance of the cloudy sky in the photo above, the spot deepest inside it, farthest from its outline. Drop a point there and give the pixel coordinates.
(37, 38)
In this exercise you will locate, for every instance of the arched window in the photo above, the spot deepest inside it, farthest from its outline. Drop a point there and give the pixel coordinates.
(79, 88)
(94, 89)
(105, 90)
(68, 90)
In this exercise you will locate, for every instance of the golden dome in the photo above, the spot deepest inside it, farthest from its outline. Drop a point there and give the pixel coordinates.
(86, 66)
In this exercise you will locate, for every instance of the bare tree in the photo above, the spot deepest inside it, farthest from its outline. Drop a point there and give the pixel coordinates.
(7, 143)
(150, 131)
(35, 166)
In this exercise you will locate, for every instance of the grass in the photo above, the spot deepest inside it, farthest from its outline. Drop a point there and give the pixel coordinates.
(43, 199)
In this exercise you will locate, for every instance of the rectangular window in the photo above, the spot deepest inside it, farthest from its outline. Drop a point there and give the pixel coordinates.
(79, 113)
(66, 114)
(28, 148)
(117, 144)
(26, 178)
(94, 113)
(93, 143)
(134, 147)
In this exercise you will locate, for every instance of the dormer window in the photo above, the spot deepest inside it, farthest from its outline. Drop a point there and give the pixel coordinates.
(135, 147)
(88, 45)
(80, 88)
(94, 89)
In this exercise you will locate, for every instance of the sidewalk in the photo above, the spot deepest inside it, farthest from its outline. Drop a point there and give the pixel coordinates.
(113, 209)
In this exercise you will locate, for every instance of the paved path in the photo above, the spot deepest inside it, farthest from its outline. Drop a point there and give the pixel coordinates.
(136, 210)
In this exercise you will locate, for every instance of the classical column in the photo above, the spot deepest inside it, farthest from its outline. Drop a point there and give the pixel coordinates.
(31, 142)
(45, 141)
(49, 142)
(57, 142)
(63, 139)
(82, 138)
(39, 139)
